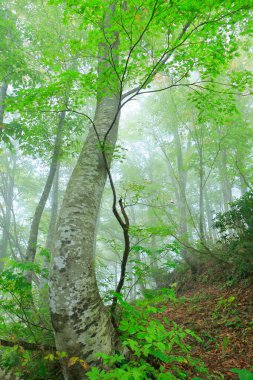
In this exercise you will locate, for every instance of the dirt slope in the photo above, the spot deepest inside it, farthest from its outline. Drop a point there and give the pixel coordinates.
(223, 318)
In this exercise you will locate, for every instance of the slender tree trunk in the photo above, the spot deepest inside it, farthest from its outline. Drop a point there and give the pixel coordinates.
(182, 182)
(201, 197)
(9, 194)
(3, 93)
(172, 177)
(225, 183)
(242, 179)
(115, 274)
(33, 237)
(81, 323)
(54, 210)
(182, 179)
(130, 280)
(154, 264)
(44, 296)
(209, 215)
(8, 198)
(243, 185)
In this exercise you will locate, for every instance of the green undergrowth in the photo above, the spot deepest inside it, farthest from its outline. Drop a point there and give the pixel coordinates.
(24, 320)
(155, 347)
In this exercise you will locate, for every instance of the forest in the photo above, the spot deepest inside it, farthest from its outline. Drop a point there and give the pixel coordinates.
(126, 189)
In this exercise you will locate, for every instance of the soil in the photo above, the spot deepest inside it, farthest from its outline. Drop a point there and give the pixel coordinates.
(222, 317)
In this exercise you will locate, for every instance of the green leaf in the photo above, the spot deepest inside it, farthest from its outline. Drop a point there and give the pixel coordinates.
(243, 374)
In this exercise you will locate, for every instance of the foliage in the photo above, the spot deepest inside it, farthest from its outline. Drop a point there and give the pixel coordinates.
(243, 374)
(236, 234)
(155, 349)
(24, 319)
(225, 308)
(50, 60)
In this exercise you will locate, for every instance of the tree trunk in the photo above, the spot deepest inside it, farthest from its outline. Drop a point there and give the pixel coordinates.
(243, 185)
(9, 195)
(226, 186)
(8, 198)
(81, 323)
(54, 210)
(3, 93)
(33, 237)
(201, 197)
(44, 296)
(182, 181)
(209, 216)
(182, 178)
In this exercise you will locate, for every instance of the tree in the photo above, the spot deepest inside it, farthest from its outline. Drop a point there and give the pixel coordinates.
(11, 62)
(130, 43)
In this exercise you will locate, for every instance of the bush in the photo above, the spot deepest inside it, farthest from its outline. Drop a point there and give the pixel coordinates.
(155, 349)
(235, 228)
(24, 319)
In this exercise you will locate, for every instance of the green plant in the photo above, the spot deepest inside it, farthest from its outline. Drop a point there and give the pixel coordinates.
(150, 344)
(225, 308)
(243, 374)
(236, 234)
(24, 323)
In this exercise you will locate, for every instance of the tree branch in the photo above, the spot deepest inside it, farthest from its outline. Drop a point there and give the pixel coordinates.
(27, 345)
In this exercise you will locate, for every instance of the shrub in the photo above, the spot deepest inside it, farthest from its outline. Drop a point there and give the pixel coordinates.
(235, 228)
(157, 349)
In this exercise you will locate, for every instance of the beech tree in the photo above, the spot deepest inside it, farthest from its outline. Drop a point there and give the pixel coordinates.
(129, 43)
(111, 52)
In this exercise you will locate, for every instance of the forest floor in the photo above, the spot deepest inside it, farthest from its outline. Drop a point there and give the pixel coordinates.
(223, 318)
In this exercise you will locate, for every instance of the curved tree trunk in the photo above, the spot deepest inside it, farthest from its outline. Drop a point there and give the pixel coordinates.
(81, 323)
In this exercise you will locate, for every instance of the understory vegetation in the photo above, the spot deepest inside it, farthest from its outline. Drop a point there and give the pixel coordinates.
(197, 328)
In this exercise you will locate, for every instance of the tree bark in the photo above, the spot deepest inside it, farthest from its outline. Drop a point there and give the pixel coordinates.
(81, 323)
(33, 236)
(54, 210)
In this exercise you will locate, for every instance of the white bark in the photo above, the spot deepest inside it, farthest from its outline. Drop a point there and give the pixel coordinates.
(81, 323)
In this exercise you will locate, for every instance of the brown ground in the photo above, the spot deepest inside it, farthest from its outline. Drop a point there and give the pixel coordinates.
(223, 318)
